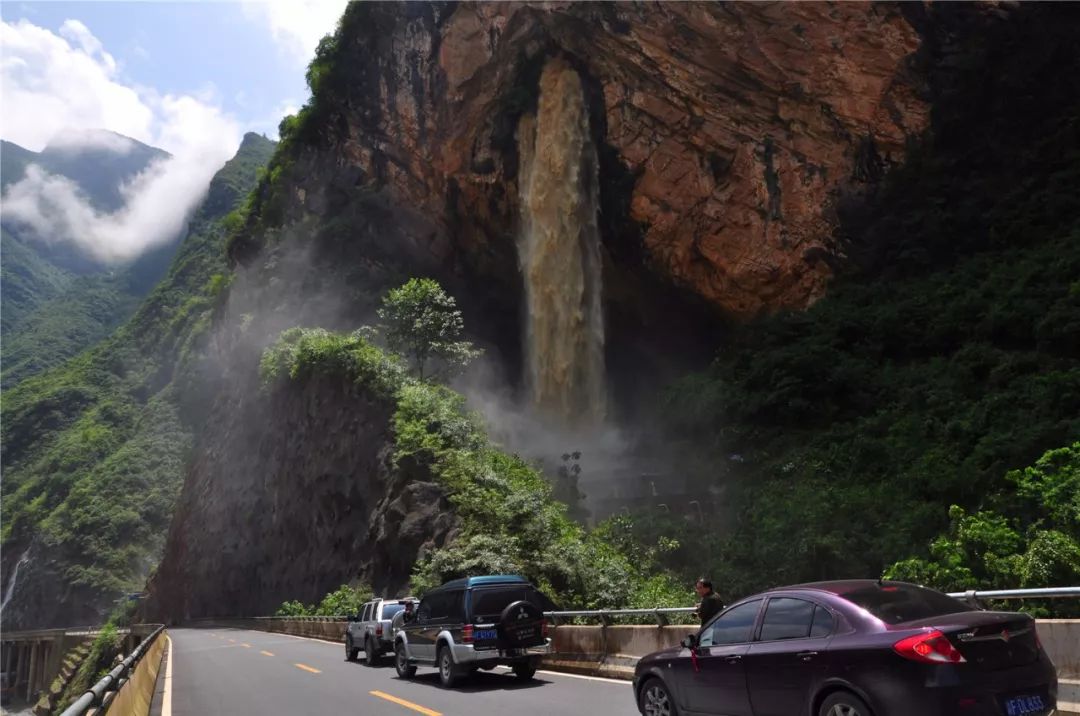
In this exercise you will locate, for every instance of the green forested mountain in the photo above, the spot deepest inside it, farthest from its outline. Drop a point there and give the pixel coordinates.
(94, 448)
(946, 355)
(57, 300)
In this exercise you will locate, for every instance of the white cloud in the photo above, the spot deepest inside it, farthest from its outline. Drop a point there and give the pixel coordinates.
(298, 25)
(55, 88)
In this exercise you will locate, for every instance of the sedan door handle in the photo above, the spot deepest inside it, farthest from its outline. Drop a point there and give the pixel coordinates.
(733, 659)
(806, 655)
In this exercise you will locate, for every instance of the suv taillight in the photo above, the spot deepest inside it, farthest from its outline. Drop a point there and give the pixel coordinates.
(930, 648)
(466, 634)
(378, 630)
(544, 628)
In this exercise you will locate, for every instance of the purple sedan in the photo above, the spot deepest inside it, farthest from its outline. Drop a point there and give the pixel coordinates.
(852, 648)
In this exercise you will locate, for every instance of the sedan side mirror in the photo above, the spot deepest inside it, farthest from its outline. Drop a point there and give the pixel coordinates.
(690, 641)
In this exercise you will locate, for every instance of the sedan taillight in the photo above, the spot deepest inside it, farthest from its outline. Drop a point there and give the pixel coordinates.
(930, 648)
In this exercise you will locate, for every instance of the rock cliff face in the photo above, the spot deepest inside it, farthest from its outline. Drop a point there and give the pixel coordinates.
(721, 137)
(726, 130)
(291, 495)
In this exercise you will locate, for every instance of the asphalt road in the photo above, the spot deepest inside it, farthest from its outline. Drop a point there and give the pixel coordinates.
(234, 671)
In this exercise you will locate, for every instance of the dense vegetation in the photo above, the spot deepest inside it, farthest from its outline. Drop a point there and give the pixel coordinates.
(343, 601)
(945, 356)
(509, 521)
(94, 450)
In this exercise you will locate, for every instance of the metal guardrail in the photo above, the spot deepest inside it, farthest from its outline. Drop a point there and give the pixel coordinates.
(113, 680)
(661, 614)
(973, 596)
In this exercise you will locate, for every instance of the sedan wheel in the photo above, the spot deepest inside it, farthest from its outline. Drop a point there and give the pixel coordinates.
(656, 701)
(843, 703)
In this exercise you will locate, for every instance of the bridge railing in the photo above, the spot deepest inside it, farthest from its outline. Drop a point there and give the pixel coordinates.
(111, 682)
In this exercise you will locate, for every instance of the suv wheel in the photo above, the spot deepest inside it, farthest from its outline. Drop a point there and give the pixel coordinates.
(401, 662)
(448, 672)
(844, 703)
(655, 700)
(370, 656)
(525, 671)
(350, 651)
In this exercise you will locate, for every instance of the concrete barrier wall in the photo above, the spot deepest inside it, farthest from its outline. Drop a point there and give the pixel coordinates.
(1061, 640)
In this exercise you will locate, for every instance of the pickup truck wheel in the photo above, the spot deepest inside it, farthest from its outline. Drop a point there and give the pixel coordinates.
(350, 651)
(370, 655)
(524, 671)
(401, 662)
(448, 672)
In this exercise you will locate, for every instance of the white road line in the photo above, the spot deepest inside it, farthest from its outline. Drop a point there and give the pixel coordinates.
(508, 670)
(166, 699)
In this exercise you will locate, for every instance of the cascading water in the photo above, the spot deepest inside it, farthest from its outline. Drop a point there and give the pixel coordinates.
(559, 252)
(10, 591)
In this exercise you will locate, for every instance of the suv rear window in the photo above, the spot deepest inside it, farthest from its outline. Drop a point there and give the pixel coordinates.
(899, 603)
(389, 610)
(489, 602)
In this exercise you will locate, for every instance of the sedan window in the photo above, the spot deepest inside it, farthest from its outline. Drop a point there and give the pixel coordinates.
(733, 626)
(787, 618)
(823, 622)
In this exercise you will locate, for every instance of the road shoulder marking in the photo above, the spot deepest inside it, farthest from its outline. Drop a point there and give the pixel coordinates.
(166, 699)
(266, 653)
(305, 667)
(407, 704)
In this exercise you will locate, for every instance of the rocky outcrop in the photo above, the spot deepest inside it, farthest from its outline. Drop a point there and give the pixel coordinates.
(726, 130)
(292, 495)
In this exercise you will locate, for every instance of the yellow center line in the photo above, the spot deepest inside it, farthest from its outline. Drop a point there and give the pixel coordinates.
(407, 704)
(266, 653)
(305, 667)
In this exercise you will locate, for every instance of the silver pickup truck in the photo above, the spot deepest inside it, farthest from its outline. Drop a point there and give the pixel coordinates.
(369, 629)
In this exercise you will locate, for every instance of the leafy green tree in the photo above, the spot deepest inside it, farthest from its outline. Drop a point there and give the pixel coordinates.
(343, 601)
(1037, 544)
(293, 608)
(422, 323)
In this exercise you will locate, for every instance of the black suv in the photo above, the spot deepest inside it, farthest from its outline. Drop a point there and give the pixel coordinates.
(475, 623)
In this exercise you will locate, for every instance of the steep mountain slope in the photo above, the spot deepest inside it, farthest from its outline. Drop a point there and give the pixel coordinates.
(56, 299)
(93, 450)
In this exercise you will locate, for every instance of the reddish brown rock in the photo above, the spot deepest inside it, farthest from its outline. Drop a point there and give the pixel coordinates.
(739, 121)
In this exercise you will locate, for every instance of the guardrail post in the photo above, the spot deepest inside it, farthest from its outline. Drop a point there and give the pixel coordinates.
(661, 619)
(605, 618)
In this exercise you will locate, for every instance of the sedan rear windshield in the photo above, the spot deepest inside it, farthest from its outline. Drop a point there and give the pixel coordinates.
(899, 603)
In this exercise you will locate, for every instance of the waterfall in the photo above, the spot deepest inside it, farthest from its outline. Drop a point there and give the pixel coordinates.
(10, 591)
(559, 252)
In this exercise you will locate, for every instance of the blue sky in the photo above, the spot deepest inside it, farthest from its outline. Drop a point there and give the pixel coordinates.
(188, 48)
(190, 78)
(229, 53)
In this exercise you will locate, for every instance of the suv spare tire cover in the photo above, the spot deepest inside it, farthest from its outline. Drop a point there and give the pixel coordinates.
(521, 623)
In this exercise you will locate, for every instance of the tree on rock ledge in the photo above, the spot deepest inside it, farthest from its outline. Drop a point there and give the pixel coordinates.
(422, 323)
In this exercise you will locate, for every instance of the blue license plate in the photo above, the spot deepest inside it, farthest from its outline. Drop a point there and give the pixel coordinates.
(1025, 705)
(484, 634)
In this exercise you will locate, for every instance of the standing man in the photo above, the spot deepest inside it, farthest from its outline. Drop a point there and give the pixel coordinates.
(711, 603)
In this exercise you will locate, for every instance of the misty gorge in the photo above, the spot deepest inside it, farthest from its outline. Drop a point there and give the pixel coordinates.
(739, 284)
